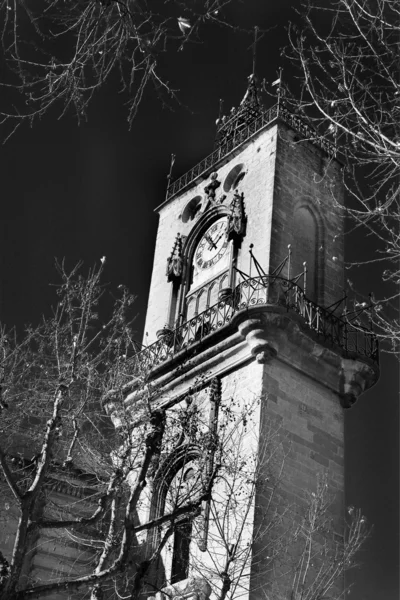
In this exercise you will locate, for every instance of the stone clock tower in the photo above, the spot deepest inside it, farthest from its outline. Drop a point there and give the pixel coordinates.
(246, 331)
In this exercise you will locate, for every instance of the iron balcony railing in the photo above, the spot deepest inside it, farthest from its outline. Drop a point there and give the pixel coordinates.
(259, 291)
(242, 134)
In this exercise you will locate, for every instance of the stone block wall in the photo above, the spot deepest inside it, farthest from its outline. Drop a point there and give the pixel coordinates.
(307, 412)
(308, 178)
(257, 160)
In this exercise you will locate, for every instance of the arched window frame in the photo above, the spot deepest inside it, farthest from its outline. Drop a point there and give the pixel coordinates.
(182, 456)
(312, 208)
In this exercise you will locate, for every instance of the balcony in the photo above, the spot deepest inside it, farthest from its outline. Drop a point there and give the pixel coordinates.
(261, 291)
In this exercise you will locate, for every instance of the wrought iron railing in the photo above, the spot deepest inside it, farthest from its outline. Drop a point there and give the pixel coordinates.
(259, 291)
(241, 135)
(306, 131)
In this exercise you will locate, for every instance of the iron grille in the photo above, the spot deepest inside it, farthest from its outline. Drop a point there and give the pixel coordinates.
(266, 117)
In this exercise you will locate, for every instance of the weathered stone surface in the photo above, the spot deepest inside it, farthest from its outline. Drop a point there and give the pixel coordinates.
(269, 354)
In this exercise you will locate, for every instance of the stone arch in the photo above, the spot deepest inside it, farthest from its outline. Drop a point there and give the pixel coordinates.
(308, 246)
(192, 209)
(182, 465)
(212, 214)
(234, 177)
(182, 456)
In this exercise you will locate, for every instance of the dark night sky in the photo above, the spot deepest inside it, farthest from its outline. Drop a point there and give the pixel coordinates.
(85, 191)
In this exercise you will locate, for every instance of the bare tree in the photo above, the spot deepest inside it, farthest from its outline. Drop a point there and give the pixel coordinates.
(111, 495)
(55, 433)
(348, 53)
(58, 54)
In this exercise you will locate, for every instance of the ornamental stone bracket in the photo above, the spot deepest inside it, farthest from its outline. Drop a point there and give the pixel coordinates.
(269, 334)
(193, 588)
(255, 334)
(355, 378)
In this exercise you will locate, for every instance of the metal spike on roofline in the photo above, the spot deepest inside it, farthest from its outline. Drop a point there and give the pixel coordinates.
(255, 50)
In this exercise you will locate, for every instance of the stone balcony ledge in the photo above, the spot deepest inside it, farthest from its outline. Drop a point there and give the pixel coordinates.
(265, 293)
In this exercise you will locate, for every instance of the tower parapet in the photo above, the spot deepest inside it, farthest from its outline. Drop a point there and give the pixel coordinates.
(241, 125)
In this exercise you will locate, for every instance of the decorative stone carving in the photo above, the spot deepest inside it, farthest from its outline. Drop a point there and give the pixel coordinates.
(196, 588)
(265, 355)
(175, 261)
(166, 334)
(225, 293)
(256, 336)
(236, 226)
(212, 187)
(355, 378)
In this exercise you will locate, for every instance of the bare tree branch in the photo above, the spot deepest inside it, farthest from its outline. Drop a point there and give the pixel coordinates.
(350, 89)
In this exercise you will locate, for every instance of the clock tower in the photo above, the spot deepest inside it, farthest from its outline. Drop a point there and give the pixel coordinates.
(246, 329)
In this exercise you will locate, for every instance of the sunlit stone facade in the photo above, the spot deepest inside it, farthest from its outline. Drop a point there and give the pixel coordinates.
(260, 328)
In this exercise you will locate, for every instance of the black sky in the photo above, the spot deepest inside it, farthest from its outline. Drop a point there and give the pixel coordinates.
(85, 191)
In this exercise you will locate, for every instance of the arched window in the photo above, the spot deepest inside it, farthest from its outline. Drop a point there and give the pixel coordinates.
(180, 485)
(181, 551)
(305, 249)
(192, 209)
(184, 489)
(234, 177)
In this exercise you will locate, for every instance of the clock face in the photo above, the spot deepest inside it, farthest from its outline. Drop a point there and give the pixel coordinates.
(212, 245)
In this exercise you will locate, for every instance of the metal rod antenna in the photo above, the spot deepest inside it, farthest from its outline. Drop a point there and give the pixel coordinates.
(371, 304)
(279, 95)
(305, 277)
(221, 108)
(169, 176)
(260, 270)
(255, 49)
(251, 257)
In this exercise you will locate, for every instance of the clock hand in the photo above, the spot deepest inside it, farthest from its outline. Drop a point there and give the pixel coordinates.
(210, 241)
(219, 237)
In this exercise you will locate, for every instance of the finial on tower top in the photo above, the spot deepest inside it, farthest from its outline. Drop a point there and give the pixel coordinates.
(251, 96)
(240, 117)
(255, 50)
(248, 110)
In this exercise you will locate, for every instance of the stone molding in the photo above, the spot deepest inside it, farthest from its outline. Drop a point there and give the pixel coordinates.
(269, 333)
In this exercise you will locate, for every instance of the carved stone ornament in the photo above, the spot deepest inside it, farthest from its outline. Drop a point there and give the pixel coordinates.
(212, 187)
(196, 588)
(211, 447)
(236, 226)
(355, 377)
(175, 261)
(257, 338)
